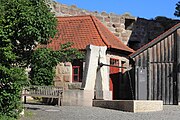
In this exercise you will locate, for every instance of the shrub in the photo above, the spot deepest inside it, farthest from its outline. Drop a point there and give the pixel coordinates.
(3, 117)
(11, 82)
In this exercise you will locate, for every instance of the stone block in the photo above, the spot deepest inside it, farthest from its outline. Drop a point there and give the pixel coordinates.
(119, 30)
(122, 20)
(58, 83)
(58, 78)
(148, 106)
(115, 19)
(95, 13)
(61, 84)
(104, 14)
(116, 34)
(67, 64)
(63, 5)
(100, 18)
(75, 85)
(82, 12)
(56, 7)
(113, 15)
(72, 12)
(122, 26)
(125, 39)
(128, 16)
(117, 24)
(64, 10)
(111, 29)
(77, 98)
(102, 95)
(109, 25)
(66, 78)
(73, 6)
(130, 105)
(125, 34)
(58, 14)
(107, 19)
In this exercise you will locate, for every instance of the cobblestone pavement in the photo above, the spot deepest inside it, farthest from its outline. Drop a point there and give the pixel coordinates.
(44, 112)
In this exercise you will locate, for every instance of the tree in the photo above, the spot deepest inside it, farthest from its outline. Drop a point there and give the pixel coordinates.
(45, 60)
(177, 11)
(23, 25)
(27, 22)
(42, 67)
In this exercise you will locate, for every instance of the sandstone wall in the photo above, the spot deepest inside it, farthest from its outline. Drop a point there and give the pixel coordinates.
(63, 74)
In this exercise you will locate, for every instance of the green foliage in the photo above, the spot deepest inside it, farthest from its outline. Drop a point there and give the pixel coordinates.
(23, 24)
(44, 61)
(67, 54)
(177, 9)
(11, 83)
(3, 117)
(42, 70)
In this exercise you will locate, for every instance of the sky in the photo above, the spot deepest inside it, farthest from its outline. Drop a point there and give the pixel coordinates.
(140, 8)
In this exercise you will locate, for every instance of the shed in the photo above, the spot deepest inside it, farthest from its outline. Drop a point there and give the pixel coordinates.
(157, 68)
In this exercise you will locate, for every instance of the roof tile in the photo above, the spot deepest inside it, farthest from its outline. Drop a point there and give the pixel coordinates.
(85, 30)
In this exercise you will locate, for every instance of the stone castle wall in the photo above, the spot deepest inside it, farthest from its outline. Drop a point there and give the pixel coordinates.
(115, 23)
(144, 30)
(134, 32)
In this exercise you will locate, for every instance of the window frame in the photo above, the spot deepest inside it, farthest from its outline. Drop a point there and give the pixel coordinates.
(78, 74)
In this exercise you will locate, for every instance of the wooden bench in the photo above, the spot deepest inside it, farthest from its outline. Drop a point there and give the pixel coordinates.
(44, 91)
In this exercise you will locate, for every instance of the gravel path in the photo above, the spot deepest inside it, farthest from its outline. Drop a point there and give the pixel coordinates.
(43, 112)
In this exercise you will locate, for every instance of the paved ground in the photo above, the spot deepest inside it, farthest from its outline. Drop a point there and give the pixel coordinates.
(43, 112)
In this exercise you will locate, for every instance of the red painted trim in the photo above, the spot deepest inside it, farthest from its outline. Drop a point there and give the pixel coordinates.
(113, 70)
(78, 75)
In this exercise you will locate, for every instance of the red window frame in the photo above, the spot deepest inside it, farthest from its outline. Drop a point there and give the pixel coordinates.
(76, 75)
(114, 61)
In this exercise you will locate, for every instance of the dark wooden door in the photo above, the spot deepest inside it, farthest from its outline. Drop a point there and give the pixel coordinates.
(114, 78)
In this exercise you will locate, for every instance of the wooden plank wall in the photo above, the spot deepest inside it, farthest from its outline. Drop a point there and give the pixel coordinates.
(177, 68)
(159, 61)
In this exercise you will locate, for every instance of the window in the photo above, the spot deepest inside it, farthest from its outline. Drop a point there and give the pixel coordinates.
(75, 76)
(77, 70)
(114, 62)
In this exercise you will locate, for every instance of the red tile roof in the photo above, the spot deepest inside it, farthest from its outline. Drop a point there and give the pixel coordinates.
(85, 30)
